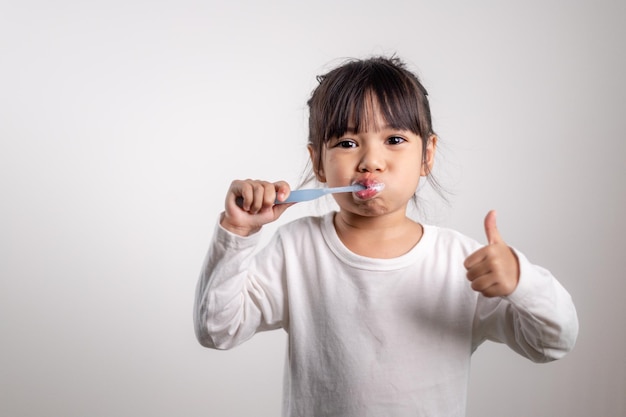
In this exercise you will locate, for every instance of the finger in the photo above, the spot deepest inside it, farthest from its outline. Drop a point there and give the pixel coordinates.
(478, 270)
(475, 258)
(269, 195)
(485, 284)
(259, 191)
(242, 190)
(491, 229)
(481, 284)
(279, 209)
(282, 190)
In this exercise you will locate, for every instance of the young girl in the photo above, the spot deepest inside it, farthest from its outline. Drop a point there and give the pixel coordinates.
(382, 313)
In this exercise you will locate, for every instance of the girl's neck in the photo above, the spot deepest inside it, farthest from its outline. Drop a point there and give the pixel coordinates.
(387, 236)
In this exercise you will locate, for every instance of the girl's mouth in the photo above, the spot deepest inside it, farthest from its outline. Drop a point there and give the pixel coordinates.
(372, 189)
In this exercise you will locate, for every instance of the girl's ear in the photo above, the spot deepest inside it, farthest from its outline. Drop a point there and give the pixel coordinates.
(428, 159)
(316, 163)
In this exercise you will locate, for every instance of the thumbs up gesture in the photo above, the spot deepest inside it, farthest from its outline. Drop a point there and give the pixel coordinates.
(494, 269)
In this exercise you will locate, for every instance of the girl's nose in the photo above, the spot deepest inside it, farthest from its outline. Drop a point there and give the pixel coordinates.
(371, 161)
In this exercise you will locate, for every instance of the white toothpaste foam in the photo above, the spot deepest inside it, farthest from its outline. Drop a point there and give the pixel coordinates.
(378, 187)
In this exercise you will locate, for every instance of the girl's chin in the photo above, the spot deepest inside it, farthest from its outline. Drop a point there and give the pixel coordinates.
(367, 208)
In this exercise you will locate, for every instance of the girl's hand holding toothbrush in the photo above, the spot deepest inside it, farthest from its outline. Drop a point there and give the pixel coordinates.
(250, 204)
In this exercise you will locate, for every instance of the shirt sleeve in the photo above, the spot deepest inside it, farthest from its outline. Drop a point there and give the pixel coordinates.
(240, 292)
(538, 320)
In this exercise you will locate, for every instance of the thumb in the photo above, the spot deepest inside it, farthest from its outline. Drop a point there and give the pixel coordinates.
(279, 209)
(491, 230)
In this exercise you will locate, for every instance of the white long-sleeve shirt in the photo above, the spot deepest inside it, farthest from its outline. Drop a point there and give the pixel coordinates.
(373, 337)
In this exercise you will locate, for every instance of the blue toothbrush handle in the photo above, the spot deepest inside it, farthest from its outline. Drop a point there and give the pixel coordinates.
(298, 196)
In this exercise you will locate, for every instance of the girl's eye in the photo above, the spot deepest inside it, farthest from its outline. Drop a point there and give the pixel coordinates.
(345, 144)
(395, 140)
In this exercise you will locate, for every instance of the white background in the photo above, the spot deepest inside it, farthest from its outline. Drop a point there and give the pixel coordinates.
(123, 122)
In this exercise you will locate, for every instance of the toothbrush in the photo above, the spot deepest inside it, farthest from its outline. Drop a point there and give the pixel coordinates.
(298, 196)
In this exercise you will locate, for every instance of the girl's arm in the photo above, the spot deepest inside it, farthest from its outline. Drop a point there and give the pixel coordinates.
(520, 304)
(538, 319)
(238, 293)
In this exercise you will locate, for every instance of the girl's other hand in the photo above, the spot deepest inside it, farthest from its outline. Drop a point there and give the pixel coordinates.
(250, 205)
(494, 269)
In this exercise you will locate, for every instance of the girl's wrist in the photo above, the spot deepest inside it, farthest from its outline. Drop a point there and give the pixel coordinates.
(238, 229)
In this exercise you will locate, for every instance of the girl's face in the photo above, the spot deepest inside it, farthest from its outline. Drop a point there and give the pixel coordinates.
(388, 161)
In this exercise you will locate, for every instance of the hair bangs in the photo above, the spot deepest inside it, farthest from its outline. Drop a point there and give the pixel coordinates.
(377, 89)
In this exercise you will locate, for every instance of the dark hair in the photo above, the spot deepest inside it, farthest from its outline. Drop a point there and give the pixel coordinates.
(345, 94)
